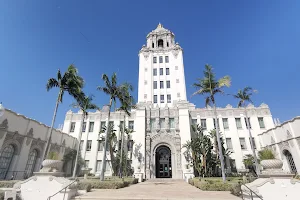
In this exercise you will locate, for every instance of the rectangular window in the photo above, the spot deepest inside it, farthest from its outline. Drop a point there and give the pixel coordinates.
(89, 145)
(83, 126)
(247, 123)
(87, 162)
(162, 122)
(160, 59)
(178, 94)
(161, 84)
(172, 123)
(167, 59)
(152, 124)
(130, 145)
(121, 126)
(169, 98)
(154, 60)
(99, 165)
(243, 143)
(168, 84)
(131, 125)
(81, 144)
(253, 141)
(102, 126)
(238, 123)
(217, 123)
(72, 128)
(161, 71)
(91, 128)
(154, 84)
(177, 80)
(203, 124)
(162, 99)
(167, 71)
(233, 165)
(154, 72)
(111, 124)
(229, 143)
(155, 99)
(261, 122)
(225, 123)
(176, 67)
(194, 122)
(100, 145)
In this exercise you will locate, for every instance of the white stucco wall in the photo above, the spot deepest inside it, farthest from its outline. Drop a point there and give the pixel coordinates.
(25, 135)
(285, 136)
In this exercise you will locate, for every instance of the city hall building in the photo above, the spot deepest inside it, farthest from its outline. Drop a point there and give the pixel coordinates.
(163, 118)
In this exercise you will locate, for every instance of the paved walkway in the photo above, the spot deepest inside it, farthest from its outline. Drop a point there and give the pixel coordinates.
(158, 190)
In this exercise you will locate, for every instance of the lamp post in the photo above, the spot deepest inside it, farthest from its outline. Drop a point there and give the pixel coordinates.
(2, 110)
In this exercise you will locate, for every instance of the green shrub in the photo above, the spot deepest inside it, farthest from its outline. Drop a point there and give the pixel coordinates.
(266, 154)
(236, 190)
(8, 184)
(53, 156)
(212, 184)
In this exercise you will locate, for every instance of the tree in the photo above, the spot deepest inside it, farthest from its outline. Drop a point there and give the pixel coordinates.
(127, 105)
(84, 103)
(200, 149)
(210, 86)
(69, 82)
(115, 92)
(244, 96)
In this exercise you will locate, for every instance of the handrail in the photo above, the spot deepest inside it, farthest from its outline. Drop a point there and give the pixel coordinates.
(251, 191)
(65, 188)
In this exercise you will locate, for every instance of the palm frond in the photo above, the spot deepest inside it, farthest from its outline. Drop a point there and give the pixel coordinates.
(52, 82)
(224, 81)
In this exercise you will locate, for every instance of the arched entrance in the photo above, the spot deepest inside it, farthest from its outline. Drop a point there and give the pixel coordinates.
(163, 162)
(290, 161)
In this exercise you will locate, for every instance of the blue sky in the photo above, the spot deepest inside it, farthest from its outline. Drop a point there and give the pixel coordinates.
(255, 42)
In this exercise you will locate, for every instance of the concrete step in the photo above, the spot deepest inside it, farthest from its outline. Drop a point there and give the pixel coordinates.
(154, 180)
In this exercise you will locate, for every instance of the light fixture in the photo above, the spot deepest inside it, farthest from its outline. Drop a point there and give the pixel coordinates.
(2, 110)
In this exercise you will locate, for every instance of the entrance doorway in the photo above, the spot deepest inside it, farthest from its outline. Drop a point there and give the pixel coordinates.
(163, 162)
(290, 161)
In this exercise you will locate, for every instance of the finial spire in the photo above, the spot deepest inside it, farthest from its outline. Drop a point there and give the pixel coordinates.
(159, 25)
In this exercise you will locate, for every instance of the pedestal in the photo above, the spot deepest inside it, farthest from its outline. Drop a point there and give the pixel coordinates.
(139, 176)
(187, 176)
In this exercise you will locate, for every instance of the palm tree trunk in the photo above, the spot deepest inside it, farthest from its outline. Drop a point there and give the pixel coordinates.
(219, 144)
(78, 147)
(103, 167)
(46, 150)
(122, 143)
(252, 145)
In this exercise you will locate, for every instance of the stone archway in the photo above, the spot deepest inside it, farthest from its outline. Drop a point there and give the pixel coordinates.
(173, 142)
(290, 161)
(163, 162)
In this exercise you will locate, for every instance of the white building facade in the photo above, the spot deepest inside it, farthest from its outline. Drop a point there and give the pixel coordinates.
(22, 142)
(163, 117)
(284, 140)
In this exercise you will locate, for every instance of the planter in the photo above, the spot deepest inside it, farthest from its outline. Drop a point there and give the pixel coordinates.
(52, 165)
(271, 164)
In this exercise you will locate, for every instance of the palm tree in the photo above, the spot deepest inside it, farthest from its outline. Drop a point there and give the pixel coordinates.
(84, 103)
(127, 105)
(115, 92)
(244, 96)
(210, 86)
(69, 82)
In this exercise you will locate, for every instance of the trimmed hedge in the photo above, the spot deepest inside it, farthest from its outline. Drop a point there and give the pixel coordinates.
(213, 185)
(88, 184)
(8, 184)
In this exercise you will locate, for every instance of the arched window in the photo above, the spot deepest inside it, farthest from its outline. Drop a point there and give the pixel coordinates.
(290, 161)
(30, 163)
(5, 160)
(160, 43)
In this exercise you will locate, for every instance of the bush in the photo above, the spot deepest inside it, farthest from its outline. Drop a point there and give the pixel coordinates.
(266, 154)
(212, 185)
(236, 190)
(8, 184)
